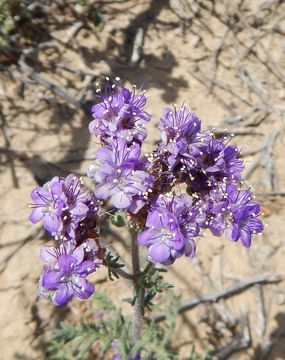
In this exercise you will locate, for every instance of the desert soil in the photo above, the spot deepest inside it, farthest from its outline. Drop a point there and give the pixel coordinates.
(226, 62)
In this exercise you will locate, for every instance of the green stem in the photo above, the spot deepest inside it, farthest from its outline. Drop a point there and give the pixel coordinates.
(138, 319)
(148, 268)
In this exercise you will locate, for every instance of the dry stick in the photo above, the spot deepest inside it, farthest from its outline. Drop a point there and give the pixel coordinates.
(205, 82)
(260, 312)
(269, 61)
(10, 158)
(245, 75)
(226, 23)
(23, 157)
(226, 315)
(273, 193)
(137, 320)
(265, 158)
(240, 131)
(137, 48)
(49, 85)
(224, 294)
(239, 342)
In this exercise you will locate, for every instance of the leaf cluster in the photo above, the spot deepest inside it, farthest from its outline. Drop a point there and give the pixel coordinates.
(112, 263)
(76, 342)
(150, 282)
(79, 342)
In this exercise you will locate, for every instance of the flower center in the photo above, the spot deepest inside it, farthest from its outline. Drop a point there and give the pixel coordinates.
(165, 234)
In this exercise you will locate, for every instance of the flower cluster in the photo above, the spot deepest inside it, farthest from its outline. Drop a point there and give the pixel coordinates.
(172, 224)
(120, 176)
(120, 114)
(188, 183)
(69, 212)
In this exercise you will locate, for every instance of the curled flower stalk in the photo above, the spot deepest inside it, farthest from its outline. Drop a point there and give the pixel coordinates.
(166, 198)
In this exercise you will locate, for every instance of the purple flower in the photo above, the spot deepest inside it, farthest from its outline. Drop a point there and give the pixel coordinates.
(245, 224)
(65, 273)
(244, 216)
(117, 176)
(163, 237)
(187, 214)
(181, 138)
(179, 124)
(184, 209)
(62, 204)
(119, 115)
(230, 210)
(48, 205)
(220, 161)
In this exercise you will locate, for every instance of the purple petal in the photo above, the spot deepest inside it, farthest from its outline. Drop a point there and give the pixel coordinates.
(51, 223)
(120, 200)
(78, 254)
(56, 187)
(51, 279)
(105, 172)
(159, 252)
(178, 242)
(36, 215)
(80, 209)
(103, 191)
(48, 254)
(83, 288)
(40, 195)
(245, 238)
(62, 295)
(190, 248)
(85, 268)
(104, 154)
(136, 205)
(134, 151)
(235, 234)
(66, 263)
(147, 237)
(98, 110)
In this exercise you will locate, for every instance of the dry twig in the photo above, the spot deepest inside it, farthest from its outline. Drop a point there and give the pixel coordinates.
(224, 294)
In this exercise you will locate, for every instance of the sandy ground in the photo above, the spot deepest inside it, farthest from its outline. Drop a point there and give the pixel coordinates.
(227, 64)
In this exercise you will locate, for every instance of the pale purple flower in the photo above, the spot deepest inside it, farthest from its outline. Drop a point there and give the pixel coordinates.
(120, 114)
(62, 204)
(117, 177)
(187, 215)
(48, 205)
(231, 211)
(65, 273)
(220, 160)
(181, 138)
(163, 236)
(244, 216)
(177, 124)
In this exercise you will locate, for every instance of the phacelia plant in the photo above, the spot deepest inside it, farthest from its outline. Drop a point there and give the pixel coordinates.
(190, 182)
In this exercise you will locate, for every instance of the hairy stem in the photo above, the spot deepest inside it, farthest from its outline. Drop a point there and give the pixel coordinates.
(137, 320)
(124, 274)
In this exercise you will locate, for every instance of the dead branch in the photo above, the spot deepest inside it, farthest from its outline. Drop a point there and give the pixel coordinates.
(224, 294)
(273, 193)
(10, 158)
(137, 48)
(240, 131)
(260, 312)
(265, 158)
(29, 71)
(239, 342)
